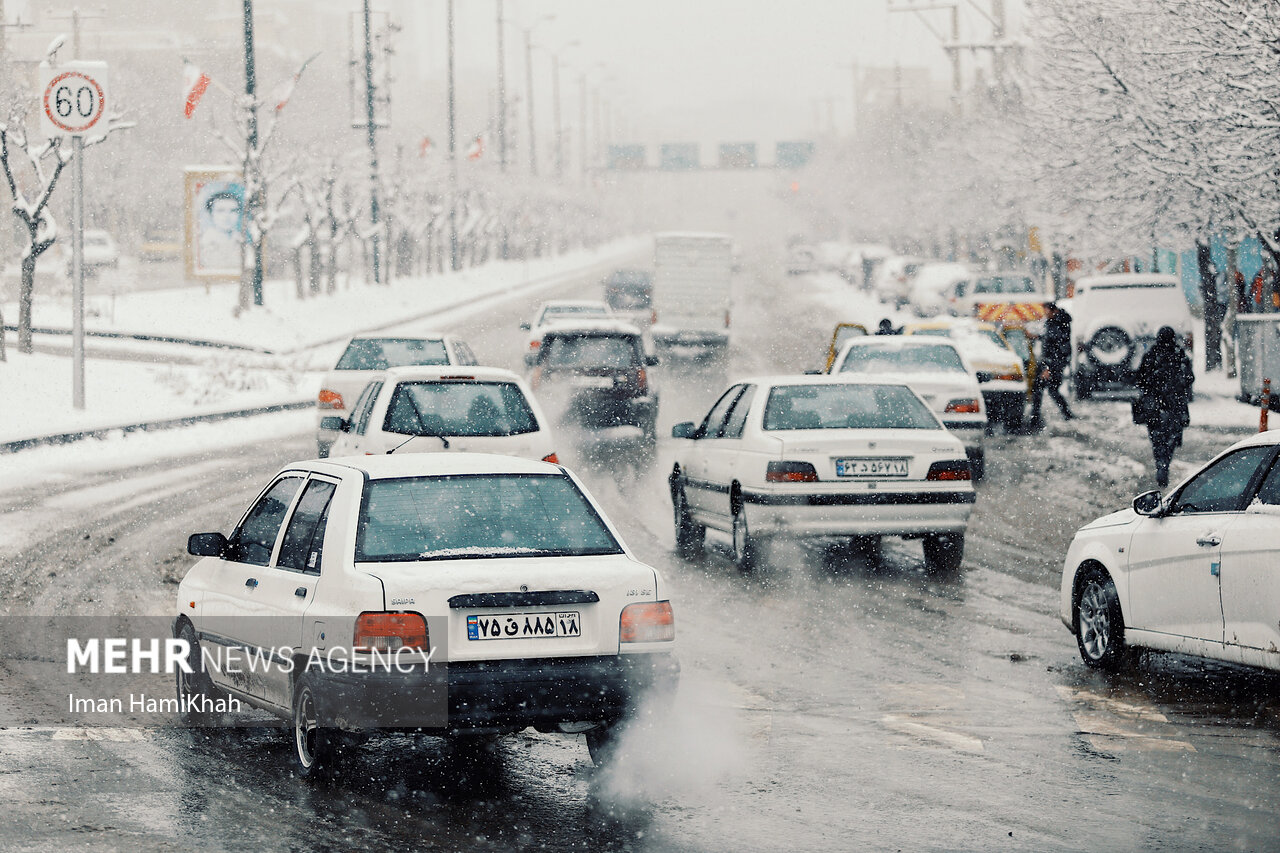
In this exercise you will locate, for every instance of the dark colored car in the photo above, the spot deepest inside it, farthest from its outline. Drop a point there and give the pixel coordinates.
(630, 294)
(597, 374)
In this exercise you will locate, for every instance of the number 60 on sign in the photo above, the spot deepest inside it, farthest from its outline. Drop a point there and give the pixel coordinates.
(73, 98)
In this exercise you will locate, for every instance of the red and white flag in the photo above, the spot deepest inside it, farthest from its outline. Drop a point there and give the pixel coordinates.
(476, 150)
(284, 91)
(194, 82)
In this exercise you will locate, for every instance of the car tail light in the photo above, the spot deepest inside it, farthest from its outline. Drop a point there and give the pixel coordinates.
(330, 400)
(386, 632)
(642, 380)
(653, 316)
(791, 472)
(956, 469)
(552, 458)
(535, 344)
(964, 407)
(726, 319)
(651, 622)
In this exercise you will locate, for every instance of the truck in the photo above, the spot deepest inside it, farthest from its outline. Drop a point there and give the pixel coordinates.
(692, 288)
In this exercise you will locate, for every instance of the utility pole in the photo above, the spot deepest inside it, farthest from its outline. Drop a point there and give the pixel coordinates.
(528, 79)
(952, 45)
(582, 129)
(453, 161)
(371, 130)
(253, 199)
(502, 96)
(555, 109)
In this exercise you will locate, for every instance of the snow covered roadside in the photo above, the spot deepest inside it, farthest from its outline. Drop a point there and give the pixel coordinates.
(150, 382)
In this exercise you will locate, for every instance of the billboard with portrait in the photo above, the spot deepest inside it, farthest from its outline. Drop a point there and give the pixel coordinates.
(215, 226)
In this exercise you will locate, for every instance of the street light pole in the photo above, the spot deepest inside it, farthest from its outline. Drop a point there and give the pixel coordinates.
(502, 96)
(253, 198)
(372, 136)
(555, 97)
(453, 162)
(528, 78)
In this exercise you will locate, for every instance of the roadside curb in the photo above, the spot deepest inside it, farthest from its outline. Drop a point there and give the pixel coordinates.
(167, 423)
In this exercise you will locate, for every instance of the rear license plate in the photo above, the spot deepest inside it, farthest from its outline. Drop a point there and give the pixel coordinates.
(871, 467)
(593, 381)
(523, 626)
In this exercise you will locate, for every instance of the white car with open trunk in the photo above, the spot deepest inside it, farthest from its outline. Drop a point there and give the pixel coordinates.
(821, 456)
(496, 586)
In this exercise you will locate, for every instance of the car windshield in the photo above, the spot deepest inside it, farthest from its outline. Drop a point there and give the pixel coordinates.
(477, 516)
(846, 407)
(1004, 284)
(459, 408)
(993, 336)
(381, 353)
(554, 312)
(906, 359)
(590, 351)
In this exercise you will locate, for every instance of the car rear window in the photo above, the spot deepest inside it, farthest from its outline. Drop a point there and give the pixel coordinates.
(477, 516)
(846, 407)
(459, 408)
(590, 351)
(381, 353)
(551, 312)
(897, 360)
(1004, 284)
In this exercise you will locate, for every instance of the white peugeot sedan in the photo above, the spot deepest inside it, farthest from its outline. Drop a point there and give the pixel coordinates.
(426, 409)
(1196, 572)
(935, 369)
(465, 595)
(367, 355)
(819, 456)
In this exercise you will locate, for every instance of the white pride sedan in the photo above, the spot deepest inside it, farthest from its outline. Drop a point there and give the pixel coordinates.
(1195, 572)
(465, 595)
(460, 409)
(821, 456)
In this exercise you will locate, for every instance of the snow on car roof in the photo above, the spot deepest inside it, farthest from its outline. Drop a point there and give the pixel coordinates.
(817, 379)
(384, 336)
(576, 303)
(436, 371)
(592, 326)
(1129, 279)
(384, 466)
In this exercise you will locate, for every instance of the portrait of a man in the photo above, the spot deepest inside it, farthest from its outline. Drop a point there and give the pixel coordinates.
(215, 219)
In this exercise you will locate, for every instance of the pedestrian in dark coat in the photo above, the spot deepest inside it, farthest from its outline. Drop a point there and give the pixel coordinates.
(1055, 355)
(1164, 380)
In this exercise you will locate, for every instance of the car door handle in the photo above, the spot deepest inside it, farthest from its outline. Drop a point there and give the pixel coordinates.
(252, 583)
(301, 592)
(1210, 541)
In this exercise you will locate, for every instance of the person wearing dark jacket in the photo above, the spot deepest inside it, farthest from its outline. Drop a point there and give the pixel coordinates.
(1055, 355)
(1164, 381)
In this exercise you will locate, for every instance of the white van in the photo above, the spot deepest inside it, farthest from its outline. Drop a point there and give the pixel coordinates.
(692, 288)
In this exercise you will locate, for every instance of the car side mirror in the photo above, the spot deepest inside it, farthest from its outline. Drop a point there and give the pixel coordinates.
(207, 544)
(1149, 504)
(335, 423)
(525, 326)
(651, 360)
(684, 430)
(530, 359)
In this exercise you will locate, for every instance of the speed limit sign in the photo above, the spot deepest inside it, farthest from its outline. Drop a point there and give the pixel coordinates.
(73, 98)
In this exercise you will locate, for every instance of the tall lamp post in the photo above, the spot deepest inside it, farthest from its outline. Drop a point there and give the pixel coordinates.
(528, 77)
(582, 117)
(453, 162)
(555, 98)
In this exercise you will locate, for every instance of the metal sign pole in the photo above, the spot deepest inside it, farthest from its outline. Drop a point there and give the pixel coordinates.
(77, 271)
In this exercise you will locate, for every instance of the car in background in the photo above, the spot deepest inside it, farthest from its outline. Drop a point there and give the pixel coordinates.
(629, 295)
(935, 285)
(843, 333)
(1004, 298)
(862, 262)
(998, 367)
(366, 356)
(597, 375)
(1114, 322)
(498, 587)
(429, 409)
(560, 311)
(934, 369)
(1193, 572)
(892, 284)
(99, 250)
(160, 245)
(801, 260)
(821, 456)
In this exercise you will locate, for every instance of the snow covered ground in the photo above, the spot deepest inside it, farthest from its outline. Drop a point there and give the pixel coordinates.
(295, 342)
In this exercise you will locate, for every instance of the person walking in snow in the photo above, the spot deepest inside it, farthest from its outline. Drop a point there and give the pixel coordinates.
(1164, 381)
(1055, 355)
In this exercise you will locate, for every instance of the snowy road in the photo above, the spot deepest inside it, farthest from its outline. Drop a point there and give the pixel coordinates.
(826, 704)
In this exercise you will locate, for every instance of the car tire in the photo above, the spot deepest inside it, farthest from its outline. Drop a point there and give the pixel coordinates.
(315, 747)
(1110, 347)
(943, 552)
(1099, 624)
(978, 465)
(746, 547)
(195, 685)
(602, 743)
(690, 536)
(866, 547)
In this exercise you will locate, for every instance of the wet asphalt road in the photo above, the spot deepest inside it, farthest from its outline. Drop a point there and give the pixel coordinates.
(825, 704)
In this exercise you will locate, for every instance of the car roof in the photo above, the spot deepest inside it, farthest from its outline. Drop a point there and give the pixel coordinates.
(592, 327)
(384, 466)
(1259, 438)
(1128, 279)
(815, 379)
(380, 336)
(901, 341)
(574, 303)
(966, 323)
(455, 371)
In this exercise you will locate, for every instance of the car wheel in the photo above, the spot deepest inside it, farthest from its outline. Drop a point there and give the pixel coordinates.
(977, 465)
(1099, 623)
(1110, 346)
(315, 747)
(943, 552)
(866, 547)
(746, 549)
(195, 688)
(602, 742)
(690, 535)
(1013, 418)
